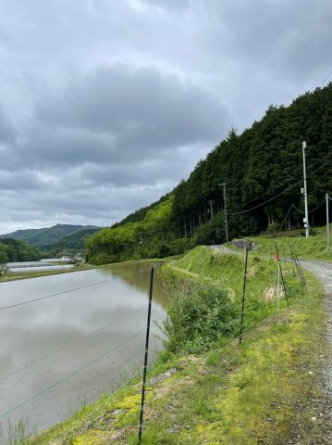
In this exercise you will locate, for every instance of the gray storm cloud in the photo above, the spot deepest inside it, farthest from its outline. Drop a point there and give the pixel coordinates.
(123, 114)
(181, 5)
(8, 133)
(106, 105)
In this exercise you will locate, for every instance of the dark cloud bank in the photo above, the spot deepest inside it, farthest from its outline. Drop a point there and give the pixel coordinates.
(106, 105)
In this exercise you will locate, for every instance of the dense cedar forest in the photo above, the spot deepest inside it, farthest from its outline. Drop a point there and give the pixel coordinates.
(263, 172)
(12, 250)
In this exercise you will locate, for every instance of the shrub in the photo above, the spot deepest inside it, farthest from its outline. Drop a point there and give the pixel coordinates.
(199, 314)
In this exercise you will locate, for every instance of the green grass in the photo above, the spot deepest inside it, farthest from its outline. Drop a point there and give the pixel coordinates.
(264, 390)
(313, 247)
(228, 270)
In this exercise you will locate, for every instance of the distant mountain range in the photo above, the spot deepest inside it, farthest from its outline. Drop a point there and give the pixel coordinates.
(51, 235)
(74, 241)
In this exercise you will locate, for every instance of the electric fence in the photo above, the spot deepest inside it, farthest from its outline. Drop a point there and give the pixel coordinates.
(298, 266)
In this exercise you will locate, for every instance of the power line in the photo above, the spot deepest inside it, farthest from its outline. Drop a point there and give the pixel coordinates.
(290, 208)
(310, 211)
(67, 291)
(301, 211)
(277, 196)
(326, 79)
(64, 347)
(67, 377)
(285, 182)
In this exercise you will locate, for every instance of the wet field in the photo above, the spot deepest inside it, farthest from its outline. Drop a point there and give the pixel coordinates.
(82, 335)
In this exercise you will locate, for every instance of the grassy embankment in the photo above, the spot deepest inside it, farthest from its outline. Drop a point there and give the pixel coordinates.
(209, 388)
(313, 247)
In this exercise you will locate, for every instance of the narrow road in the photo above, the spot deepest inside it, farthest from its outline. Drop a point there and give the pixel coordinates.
(223, 248)
(323, 271)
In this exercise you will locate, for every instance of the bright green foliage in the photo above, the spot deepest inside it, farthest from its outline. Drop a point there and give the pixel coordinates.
(151, 237)
(14, 250)
(207, 307)
(265, 390)
(199, 314)
(262, 169)
(313, 247)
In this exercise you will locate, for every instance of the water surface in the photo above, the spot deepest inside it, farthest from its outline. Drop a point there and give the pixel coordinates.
(75, 344)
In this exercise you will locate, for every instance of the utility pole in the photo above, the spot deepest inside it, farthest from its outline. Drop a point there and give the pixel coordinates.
(327, 224)
(211, 207)
(306, 219)
(225, 209)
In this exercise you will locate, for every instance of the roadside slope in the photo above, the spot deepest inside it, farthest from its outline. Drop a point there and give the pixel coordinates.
(265, 390)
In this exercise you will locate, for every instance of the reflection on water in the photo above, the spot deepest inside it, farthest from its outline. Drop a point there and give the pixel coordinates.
(39, 268)
(73, 344)
(46, 264)
(138, 279)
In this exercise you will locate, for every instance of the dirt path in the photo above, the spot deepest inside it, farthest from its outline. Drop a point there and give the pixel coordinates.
(223, 248)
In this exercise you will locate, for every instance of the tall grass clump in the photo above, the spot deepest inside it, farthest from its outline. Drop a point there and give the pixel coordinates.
(16, 434)
(200, 313)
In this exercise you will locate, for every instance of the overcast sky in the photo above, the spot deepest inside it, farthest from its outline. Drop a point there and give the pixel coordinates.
(106, 104)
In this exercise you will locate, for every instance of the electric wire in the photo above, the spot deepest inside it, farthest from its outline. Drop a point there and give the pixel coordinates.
(86, 365)
(68, 376)
(276, 196)
(285, 182)
(290, 208)
(46, 297)
(99, 417)
(326, 79)
(60, 381)
(309, 211)
(66, 346)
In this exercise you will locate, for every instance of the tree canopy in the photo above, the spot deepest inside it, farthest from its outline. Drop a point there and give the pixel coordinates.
(12, 250)
(263, 172)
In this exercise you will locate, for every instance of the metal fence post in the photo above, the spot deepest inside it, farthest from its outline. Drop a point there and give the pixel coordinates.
(244, 293)
(146, 357)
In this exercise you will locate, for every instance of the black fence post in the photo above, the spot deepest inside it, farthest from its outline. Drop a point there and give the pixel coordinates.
(146, 357)
(282, 276)
(244, 293)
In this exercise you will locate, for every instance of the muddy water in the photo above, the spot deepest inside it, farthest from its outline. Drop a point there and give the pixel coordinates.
(75, 346)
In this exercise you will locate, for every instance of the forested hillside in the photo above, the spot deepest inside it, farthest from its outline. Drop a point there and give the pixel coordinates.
(69, 245)
(151, 237)
(47, 235)
(12, 250)
(263, 172)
